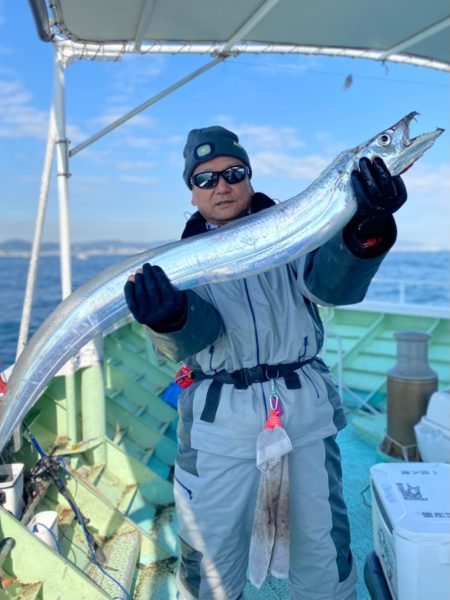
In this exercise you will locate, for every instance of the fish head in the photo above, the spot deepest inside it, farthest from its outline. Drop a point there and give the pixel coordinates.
(396, 148)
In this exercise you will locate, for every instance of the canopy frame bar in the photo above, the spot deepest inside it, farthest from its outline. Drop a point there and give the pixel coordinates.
(73, 51)
(132, 113)
(76, 47)
(418, 37)
(144, 21)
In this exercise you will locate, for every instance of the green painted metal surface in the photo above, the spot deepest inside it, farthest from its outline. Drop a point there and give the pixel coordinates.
(368, 347)
(120, 463)
(33, 561)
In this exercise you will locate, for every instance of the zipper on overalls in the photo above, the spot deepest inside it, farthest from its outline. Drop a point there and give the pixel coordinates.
(300, 357)
(258, 358)
(211, 352)
(188, 491)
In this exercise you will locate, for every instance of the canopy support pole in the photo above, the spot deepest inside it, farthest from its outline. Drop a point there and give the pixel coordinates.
(63, 174)
(37, 240)
(414, 39)
(62, 157)
(144, 21)
(34, 258)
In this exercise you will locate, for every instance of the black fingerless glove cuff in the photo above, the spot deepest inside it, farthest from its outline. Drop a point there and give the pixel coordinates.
(369, 237)
(175, 322)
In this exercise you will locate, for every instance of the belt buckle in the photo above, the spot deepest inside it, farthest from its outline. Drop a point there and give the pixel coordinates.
(251, 375)
(259, 374)
(243, 381)
(271, 372)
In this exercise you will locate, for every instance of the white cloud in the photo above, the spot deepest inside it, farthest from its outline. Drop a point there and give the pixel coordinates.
(143, 143)
(139, 179)
(425, 218)
(275, 138)
(254, 137)
(113, 113)
(94, 155)
(156, 144)
(18, 118)
(328, 144)
(88, 184)
(136, 165)
(134, 73)
(75, 134)
(308, 167)
(271, 66)
(428, 206)
(423, 179)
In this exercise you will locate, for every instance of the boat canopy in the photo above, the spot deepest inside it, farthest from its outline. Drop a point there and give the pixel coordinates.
(408, 31)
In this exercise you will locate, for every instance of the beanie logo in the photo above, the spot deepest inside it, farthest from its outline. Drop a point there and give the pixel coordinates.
(203, 150)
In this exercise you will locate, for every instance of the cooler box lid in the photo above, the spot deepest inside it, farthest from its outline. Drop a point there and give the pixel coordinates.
(414, 499)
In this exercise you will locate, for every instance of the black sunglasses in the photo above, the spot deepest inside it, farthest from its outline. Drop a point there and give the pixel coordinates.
(210, 179)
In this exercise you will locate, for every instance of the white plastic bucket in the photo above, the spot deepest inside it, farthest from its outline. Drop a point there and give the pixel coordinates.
(11, 484)
(44, 525)
(433, 429)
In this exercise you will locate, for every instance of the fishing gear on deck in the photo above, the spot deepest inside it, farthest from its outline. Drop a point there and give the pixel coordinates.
(53, 468)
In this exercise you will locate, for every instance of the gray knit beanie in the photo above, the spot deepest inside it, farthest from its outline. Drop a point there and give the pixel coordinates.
(209, 142)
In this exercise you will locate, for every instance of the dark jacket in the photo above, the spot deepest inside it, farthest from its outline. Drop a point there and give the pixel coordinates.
(271, 318)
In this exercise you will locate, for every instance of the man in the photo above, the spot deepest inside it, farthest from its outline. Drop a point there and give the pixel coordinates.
(249, 341)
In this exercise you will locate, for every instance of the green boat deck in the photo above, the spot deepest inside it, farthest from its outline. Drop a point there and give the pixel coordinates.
(123, 482)
(364, 340)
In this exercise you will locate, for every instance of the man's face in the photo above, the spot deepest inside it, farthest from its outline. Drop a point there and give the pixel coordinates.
(225, 202)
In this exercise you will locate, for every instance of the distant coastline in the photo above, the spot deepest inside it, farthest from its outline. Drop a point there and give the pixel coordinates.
(82, 250)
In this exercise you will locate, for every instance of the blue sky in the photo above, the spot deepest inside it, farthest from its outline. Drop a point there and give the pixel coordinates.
(293, 115)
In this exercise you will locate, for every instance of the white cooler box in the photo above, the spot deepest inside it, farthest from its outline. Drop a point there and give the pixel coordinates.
(411, 528)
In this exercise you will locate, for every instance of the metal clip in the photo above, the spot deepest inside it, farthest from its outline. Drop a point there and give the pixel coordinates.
(274, 398)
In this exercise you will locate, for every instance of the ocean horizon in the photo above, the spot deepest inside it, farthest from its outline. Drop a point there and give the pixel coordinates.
(22, 247)
(415, 277)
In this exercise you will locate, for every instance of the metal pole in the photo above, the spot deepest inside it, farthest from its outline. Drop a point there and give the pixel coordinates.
(417, 38)
(145, 105)
(62, 157)
(36, 247)
(34, 258)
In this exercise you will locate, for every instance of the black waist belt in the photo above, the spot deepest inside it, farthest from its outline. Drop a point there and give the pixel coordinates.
(243, 378)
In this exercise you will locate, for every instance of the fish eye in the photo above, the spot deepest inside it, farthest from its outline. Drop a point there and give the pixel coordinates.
(385, 139)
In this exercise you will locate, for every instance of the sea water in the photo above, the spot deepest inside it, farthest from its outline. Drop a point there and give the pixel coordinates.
(412, 277)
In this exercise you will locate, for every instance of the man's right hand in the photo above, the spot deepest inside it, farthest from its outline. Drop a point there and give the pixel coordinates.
(153, 300)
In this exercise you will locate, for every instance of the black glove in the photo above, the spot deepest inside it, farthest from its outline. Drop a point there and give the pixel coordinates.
(153, 300)
(372, 230)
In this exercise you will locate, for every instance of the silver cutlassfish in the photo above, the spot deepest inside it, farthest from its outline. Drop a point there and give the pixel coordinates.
(248, 246)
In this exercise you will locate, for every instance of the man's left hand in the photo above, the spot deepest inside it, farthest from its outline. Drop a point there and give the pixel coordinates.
(372, 230)
(377, 192)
